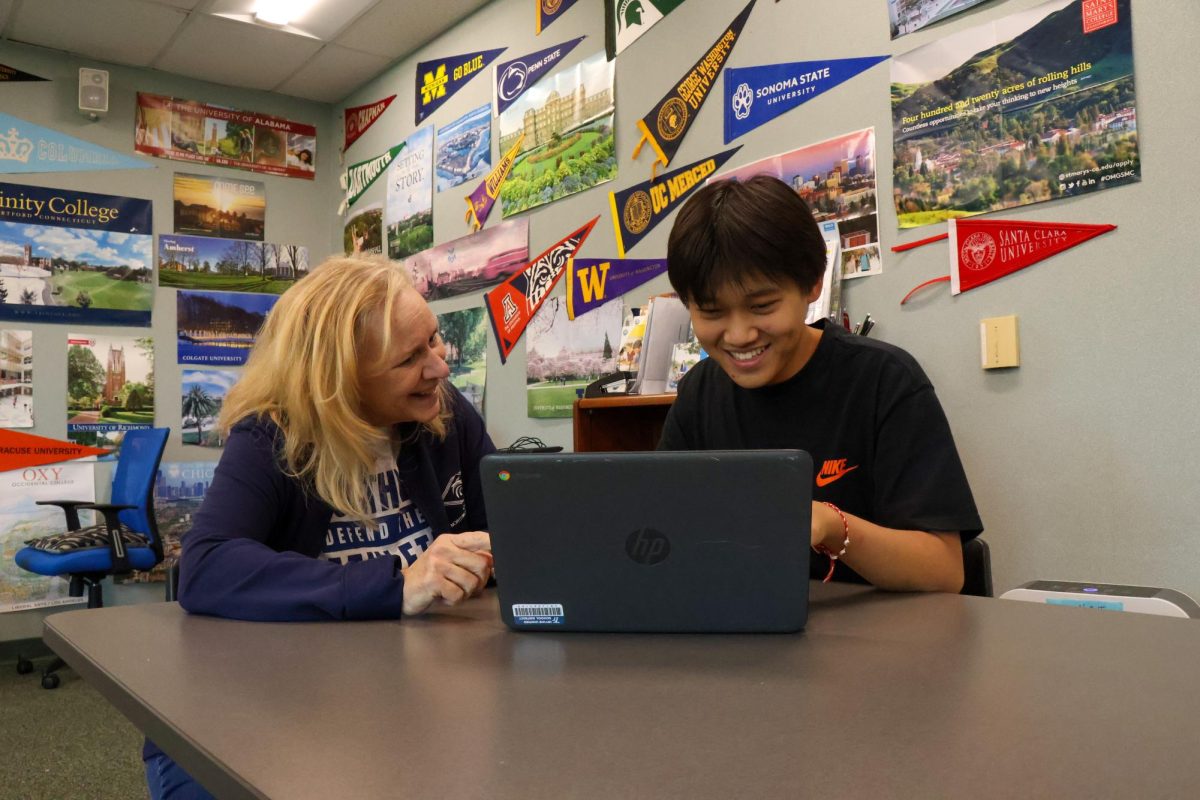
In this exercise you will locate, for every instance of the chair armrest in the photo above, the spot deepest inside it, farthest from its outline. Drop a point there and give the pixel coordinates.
(70, 508)
(120, 558)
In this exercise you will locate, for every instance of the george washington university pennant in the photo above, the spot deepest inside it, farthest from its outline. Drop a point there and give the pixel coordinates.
(438, 80)
(548, 11)
(668, 122)
(513, 303)
(359, 118)
(592, 282)
(18, 450)
(639, 208)
(982, 250)
(480, 201)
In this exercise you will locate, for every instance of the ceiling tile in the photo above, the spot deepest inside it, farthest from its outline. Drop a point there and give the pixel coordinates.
(394, 28)
(120, 31)
(186, 5)
(236, 53)
(332, 74)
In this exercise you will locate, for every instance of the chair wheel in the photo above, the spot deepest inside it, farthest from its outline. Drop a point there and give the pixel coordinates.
(24, 666)
(50, 681)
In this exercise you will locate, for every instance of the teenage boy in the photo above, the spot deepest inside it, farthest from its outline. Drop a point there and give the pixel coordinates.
(892, 505)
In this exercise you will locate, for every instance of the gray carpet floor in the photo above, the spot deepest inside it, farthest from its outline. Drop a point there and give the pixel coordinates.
(66, 743)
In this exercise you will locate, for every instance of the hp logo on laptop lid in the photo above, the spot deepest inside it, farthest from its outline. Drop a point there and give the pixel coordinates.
(648, 546)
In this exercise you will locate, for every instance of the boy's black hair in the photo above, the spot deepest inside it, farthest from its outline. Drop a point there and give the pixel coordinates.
(730, 230)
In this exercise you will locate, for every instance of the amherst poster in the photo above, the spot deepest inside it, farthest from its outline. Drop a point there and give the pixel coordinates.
(1036, 106)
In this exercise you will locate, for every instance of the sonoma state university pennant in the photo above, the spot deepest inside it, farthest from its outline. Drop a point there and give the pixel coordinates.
(359, 118)
(982, 250)
(756, 95)
(668, 122)
(360, 176)
(514, 77)
(639, 208)
(513, 303)
(438, 80)
(480, 201)
(25, 147)
(548, 11)
(592, 282)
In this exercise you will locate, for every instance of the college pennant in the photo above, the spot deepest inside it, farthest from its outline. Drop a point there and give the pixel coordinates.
(12, 75)
(19, 450)
(639, 208)
(668, 122)
(480, 201)
(756, 95)
(513, 303)
(25, 147)
(359, 118)
(982, 250)
(514, 77)
(592, 282)
(438, 80)
(360, 176)
(548, 11)
(626, 20)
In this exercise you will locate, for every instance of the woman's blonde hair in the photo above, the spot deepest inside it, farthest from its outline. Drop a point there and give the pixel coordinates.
(304, 375)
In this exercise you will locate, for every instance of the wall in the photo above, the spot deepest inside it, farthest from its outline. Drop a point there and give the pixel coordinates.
(297, 211)
(1083, 460)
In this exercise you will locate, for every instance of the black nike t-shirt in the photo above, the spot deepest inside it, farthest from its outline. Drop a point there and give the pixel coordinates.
(866, 413)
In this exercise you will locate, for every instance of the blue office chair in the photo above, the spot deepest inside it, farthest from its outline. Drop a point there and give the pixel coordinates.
(126, 540)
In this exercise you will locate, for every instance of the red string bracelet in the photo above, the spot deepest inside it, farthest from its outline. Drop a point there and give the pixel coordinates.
(833, 557)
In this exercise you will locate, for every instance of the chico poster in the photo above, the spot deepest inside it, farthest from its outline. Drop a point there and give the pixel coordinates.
(22, 518)
(178, 490)
(68, 256)
(185, 130)
(110, 387)
(1036, 106)
(409, 215)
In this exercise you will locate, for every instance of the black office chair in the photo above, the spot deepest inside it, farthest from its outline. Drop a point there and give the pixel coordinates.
(977, 568)
(127, 539)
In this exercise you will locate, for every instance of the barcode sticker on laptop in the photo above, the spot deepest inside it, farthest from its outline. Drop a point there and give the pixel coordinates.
(538, 614)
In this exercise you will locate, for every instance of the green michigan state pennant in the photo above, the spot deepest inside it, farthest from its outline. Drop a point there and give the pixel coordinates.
(668, 122)
(639, 208)
(626, 20)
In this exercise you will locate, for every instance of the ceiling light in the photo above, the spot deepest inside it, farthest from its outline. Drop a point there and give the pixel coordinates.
(275, 12)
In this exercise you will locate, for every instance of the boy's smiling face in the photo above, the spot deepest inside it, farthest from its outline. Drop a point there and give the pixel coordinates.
(756, 331)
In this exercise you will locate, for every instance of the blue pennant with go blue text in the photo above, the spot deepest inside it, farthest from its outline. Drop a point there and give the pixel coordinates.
(438, 80)
(756, 95)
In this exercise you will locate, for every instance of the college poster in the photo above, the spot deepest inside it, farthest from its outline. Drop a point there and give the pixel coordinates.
(567, 119)
(224, 207)
(218, 328)
(907, 16)
(179, 488)
(836, 178)
(464, 148)
(203, 393)
(68, 256)
(22, 518)
(472, 263)
(1036, 106)
(185, 130)
(563, 355)
(409, 213)
(363, 232)
(16, 378)
(235, 265)
(110, 387)
(465, 335)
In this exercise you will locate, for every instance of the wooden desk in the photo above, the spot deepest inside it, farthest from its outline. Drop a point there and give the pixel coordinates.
(625, 422)
(884, 696)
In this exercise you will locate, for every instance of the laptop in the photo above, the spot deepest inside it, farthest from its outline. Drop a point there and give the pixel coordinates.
(702, 541)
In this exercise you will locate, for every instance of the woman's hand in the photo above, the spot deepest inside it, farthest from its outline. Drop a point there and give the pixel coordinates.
(456, 566)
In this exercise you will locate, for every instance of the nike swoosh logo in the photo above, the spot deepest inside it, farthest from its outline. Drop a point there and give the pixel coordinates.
(825, 480)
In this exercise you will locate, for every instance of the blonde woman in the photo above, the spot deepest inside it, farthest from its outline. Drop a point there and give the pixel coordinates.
(349, 485)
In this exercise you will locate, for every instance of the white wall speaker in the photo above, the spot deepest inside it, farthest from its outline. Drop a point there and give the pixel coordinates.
(93, 91)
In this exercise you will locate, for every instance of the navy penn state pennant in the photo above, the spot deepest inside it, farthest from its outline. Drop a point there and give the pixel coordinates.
(639, 208)
(438, 80)
(668, 122)
(756, 95)
(514, 77)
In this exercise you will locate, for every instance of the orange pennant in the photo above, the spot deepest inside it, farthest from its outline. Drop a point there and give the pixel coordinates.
(19, 450)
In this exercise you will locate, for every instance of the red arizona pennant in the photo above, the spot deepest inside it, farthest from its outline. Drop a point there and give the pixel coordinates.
(19, 450)
(359, 118)
(982, 250)
(513, 303)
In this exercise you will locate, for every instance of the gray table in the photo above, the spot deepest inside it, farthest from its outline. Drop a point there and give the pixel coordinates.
(916, 696)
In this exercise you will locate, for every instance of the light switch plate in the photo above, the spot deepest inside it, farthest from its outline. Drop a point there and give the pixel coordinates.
(999, 346)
